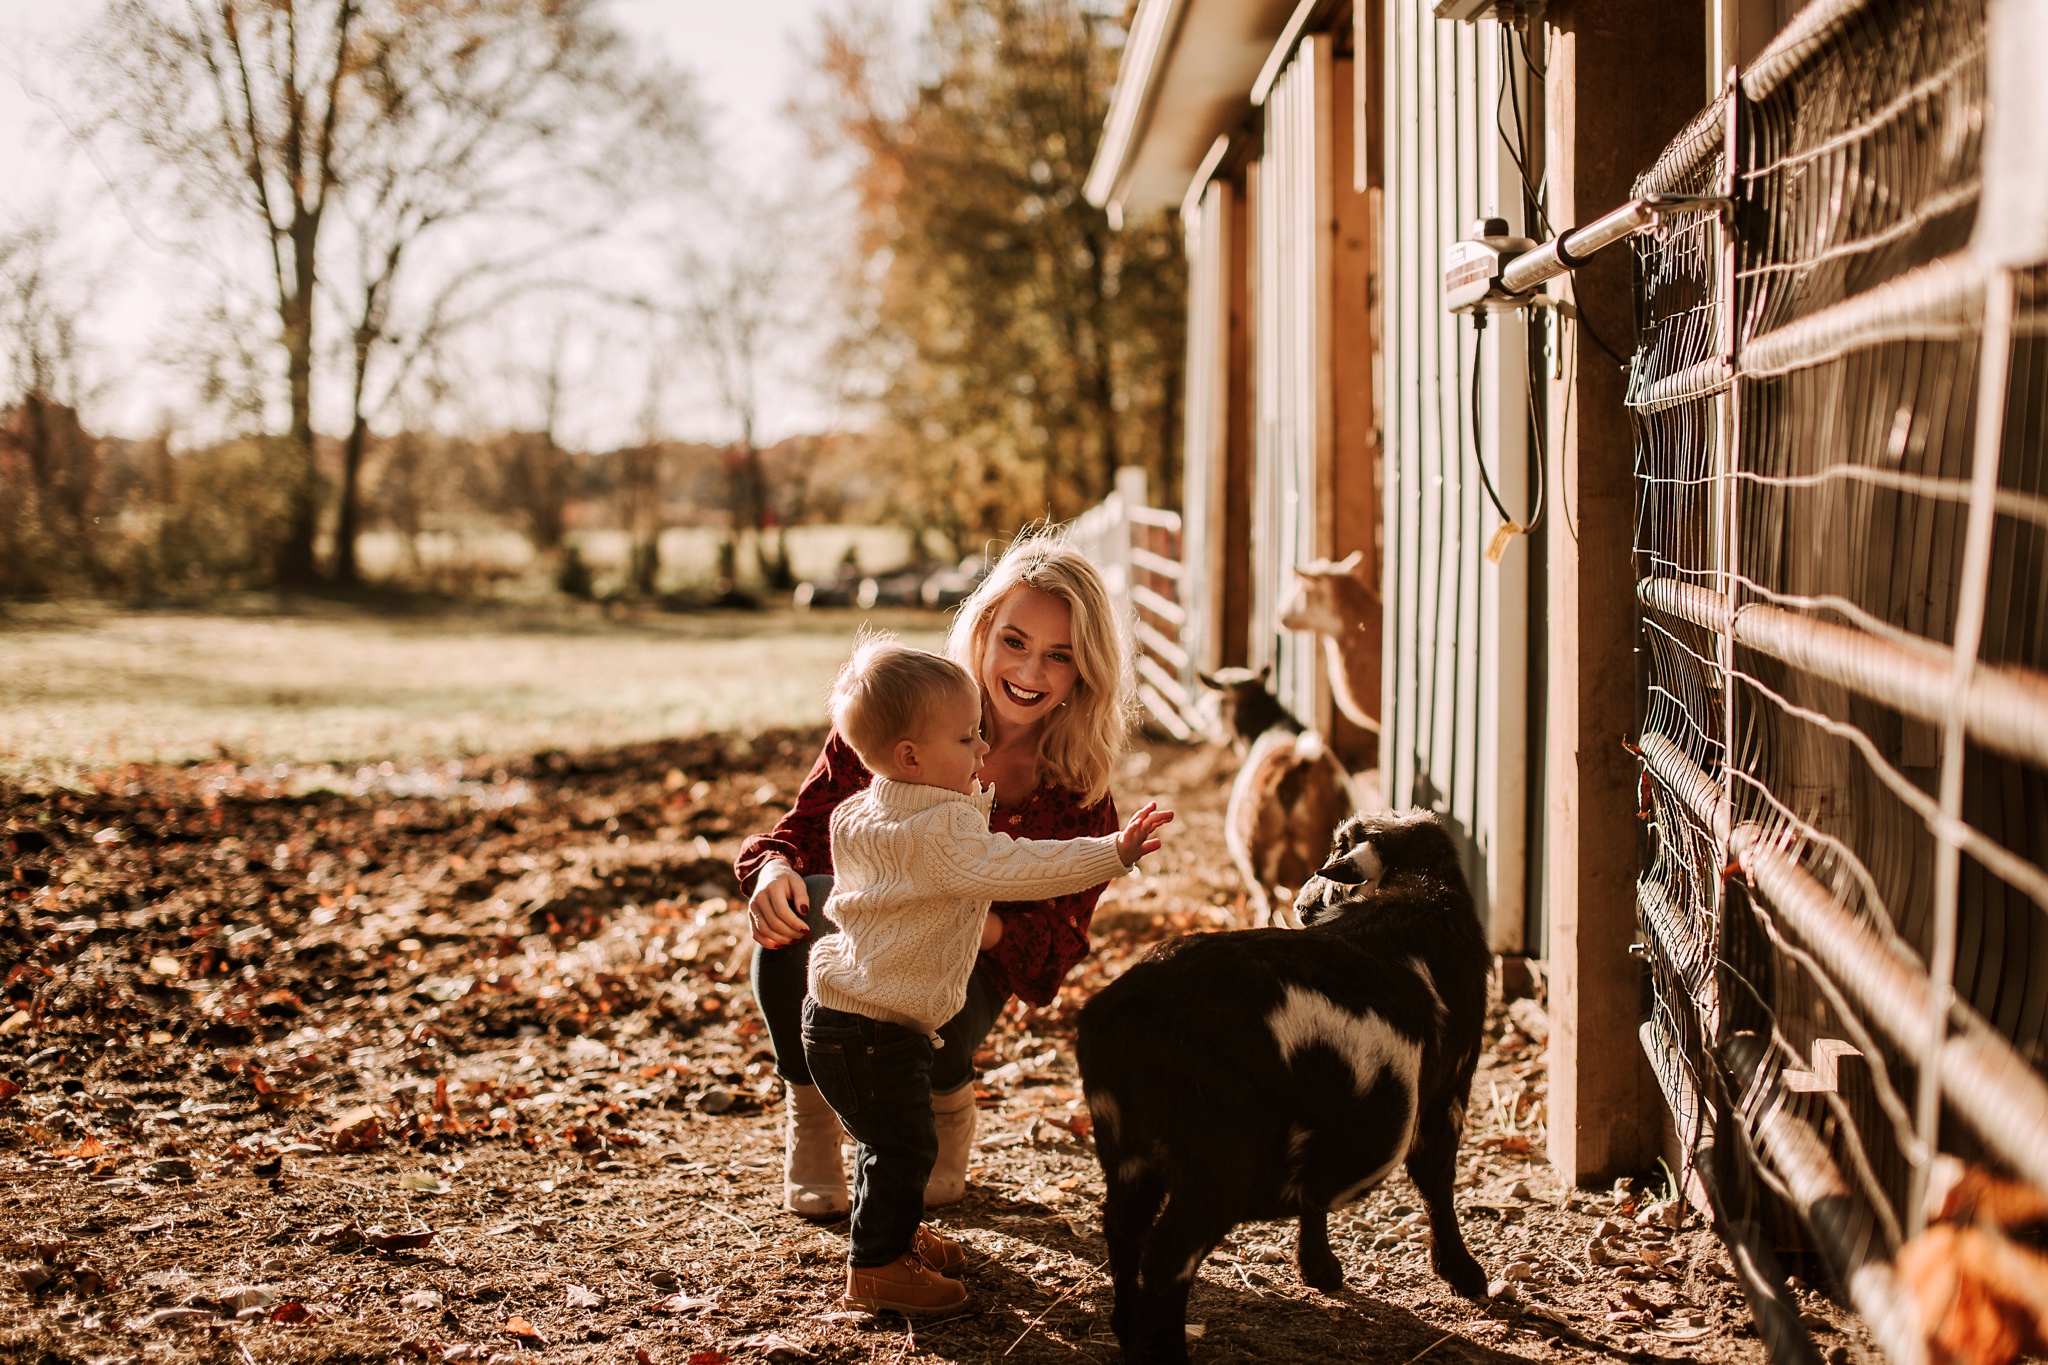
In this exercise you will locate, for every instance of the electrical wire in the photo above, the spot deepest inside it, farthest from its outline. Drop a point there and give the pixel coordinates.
(1479, 455)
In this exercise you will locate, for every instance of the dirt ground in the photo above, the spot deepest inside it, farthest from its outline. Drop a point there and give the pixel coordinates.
(458, 1064)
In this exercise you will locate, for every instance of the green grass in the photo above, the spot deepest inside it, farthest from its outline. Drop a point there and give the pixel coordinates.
(84, 690)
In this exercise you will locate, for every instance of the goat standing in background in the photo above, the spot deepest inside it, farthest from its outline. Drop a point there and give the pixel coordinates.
(1274, 1074)
(1289, 795)
(1337, 602)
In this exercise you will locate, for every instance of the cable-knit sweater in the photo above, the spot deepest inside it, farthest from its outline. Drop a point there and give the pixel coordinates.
(915, 870)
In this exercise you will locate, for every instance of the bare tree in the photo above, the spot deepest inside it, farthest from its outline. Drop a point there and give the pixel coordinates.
(742, 304)
(49, 465)
(477, 135)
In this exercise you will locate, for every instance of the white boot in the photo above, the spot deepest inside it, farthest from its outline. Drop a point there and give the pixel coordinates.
(955, 1115)
(813, 1177)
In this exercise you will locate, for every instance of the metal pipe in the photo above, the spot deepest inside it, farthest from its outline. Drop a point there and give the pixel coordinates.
(1841, 1221)
(2004, 709)
(1996, 1092)
(1569, 250)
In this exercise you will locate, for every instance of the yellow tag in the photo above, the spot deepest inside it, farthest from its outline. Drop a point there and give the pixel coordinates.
(1498, 546)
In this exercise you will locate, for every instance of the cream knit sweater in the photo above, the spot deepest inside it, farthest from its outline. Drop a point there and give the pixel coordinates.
(915, 869)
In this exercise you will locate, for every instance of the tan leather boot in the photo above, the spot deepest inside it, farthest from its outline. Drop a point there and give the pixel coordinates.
(813, 1177)
(942, 1254)
(955, 1116)
(905, 1285)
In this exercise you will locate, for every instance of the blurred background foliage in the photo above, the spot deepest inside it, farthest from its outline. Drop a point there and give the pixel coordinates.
(404, 177)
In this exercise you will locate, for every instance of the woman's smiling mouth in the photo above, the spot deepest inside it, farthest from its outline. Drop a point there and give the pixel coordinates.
(1019, 696)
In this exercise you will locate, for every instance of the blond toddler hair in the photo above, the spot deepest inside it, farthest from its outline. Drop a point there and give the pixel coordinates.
(887, 692)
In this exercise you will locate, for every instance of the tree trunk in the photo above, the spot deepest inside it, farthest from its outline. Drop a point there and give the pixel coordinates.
(295, 566)
(346, 521)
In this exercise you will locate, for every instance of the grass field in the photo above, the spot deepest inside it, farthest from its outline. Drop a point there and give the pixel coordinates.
(323, 683)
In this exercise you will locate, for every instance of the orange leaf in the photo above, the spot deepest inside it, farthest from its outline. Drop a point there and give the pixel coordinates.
(291, 1312)
(519, 1327)
(708, 1358)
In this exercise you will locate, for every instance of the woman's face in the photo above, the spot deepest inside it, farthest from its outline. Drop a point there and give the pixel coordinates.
(1028, 664)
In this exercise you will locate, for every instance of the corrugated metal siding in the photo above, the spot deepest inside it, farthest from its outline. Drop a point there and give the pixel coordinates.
(1292, 440)
(1456, 724)
(1205, 455)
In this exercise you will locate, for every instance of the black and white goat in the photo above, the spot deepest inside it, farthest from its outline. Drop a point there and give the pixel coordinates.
(1282, 1073)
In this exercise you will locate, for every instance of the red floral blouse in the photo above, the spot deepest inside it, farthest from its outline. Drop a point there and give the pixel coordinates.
(1041, 940)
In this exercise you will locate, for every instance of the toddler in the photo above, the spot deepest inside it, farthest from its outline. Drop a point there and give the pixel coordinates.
(915, 869)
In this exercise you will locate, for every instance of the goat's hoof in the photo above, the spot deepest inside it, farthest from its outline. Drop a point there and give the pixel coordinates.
(1465, 1275)
(1322, 1272)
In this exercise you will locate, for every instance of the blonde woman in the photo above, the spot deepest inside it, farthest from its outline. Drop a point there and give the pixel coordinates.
(1041, 639)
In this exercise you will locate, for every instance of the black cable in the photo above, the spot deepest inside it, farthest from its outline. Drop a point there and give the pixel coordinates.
(1479, 455)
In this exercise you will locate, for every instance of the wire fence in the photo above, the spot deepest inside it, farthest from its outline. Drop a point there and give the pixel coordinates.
(1842, 559)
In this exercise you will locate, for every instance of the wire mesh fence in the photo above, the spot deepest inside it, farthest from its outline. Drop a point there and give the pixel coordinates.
(1842, 562)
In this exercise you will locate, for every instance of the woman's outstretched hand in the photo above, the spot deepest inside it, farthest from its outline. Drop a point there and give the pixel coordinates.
(776, 912)
(1136, 839)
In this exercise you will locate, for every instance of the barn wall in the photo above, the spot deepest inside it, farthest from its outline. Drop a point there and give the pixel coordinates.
(1456, 681)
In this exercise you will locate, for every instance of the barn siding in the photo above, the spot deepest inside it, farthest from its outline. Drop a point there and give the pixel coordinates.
(1456, 681)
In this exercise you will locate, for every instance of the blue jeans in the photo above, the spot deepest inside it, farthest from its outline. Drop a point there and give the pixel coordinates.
(878, 1078)
(781, 979)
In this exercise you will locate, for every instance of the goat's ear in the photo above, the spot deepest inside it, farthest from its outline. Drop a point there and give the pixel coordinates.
(1208, 681)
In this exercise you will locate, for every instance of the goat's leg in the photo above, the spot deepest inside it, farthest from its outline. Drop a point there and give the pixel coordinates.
(1312, 1254)
(1181, 1240)
(1433, 1167)
(1128, 1212)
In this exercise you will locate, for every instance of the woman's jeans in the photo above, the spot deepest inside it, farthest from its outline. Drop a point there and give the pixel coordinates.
(877, 1078)
(781, 981)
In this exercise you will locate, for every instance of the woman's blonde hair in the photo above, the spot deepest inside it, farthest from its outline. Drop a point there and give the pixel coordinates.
(1084, 738)
(887, 691)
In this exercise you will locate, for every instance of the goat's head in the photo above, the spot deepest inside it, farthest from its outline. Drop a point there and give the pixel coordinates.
(1332, 597)
(1372, 851)
(1244, 705)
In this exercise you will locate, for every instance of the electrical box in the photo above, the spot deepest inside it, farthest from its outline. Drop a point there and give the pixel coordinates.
(1472, 268)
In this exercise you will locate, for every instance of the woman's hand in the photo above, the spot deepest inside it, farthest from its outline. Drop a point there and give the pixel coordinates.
(1136, 839)
(776, 912)
(991, 931)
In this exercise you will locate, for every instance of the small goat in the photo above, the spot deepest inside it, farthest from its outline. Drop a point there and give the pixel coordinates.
(1289, 794)
(1272, 1074)
(1336, 601)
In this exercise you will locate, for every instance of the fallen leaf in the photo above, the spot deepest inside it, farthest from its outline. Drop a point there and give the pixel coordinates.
(165, 965)
(777, 1347)
(291, 1313)
(410, 1240)
(681, 1303)
(247, 1296)
(424, 1182)
(422, 1299)
(696, 1358)
(170, 1317)
(579, 1297)
(522, 1329)
(91, 1146)
(33, 1277)
(358, 1130)
(8, 1089)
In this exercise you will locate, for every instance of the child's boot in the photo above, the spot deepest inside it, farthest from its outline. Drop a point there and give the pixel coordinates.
(955, 1116)
(942, 1254)
(813, 1177)
(905, 1285)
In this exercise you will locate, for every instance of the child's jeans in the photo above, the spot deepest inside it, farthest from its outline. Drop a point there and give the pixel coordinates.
(877, 1078)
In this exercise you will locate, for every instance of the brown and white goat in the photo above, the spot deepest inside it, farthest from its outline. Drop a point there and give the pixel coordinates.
(1289, 795)
(1339, 602)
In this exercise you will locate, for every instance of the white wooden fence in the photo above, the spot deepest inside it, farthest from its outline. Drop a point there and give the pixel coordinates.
(1138, 549)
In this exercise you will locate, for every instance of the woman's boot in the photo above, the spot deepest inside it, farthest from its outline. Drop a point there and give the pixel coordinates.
(813, 1177)
(955, 1116)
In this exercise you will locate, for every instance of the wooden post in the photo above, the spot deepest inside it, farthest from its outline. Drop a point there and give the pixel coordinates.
(1623, 78)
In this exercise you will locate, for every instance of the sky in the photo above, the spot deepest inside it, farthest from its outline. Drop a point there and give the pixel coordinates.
(744, 54)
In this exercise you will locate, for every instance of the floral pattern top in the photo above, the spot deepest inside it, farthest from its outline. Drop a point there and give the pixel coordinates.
(1042, 940)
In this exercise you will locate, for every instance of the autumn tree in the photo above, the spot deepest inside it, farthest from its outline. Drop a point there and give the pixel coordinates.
(396, 162)
(1018, 349)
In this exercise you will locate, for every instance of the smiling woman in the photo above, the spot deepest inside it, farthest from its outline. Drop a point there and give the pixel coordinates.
(1041, 639)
